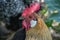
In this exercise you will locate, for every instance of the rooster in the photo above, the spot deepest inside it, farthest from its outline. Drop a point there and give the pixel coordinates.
(39, 32)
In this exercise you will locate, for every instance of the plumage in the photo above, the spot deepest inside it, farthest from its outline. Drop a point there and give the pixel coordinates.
(39, 32)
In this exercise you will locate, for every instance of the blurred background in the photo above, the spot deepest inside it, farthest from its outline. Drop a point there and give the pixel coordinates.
(53, 20)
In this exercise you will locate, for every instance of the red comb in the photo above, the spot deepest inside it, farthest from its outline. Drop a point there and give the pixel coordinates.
(29, 10)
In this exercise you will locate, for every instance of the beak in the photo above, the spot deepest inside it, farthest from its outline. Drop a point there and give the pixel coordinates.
(21, 18)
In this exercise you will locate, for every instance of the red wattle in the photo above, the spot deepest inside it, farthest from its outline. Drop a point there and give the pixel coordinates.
(25, 25)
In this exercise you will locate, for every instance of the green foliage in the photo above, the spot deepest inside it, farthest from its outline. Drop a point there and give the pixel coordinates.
(57, 28)
(48, 23)
(43, 11)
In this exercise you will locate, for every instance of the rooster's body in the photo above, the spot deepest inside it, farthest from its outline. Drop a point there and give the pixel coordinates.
(39, 32)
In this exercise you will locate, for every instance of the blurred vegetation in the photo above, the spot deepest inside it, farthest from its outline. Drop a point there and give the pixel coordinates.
(51, 20)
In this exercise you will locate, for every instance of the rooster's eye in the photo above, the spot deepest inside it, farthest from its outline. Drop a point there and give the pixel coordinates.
(30, 17)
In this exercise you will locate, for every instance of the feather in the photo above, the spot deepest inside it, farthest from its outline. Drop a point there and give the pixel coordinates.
(39, 32)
